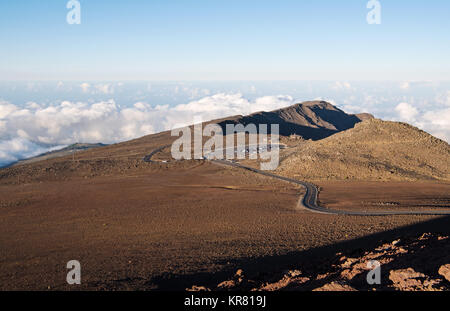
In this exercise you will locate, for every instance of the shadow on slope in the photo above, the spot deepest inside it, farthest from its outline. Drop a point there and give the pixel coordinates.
(320, 260)
(310, 120)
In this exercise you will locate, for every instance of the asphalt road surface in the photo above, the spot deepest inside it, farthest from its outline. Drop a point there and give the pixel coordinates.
(309, 200)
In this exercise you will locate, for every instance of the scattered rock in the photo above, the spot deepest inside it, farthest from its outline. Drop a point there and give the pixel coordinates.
(291, 278)
(349, 273)
(335, 287)
(403, 274)
(196, 288)
(237, 282)
(445, 271)
(410, 280)
(226, 285)
(239, 273)
(395, 242)
(425, 236)
(348, 262)
(294, 273)
(322, 276)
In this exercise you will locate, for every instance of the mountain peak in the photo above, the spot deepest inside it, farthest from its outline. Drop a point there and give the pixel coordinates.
(372, 150)
(310, 120)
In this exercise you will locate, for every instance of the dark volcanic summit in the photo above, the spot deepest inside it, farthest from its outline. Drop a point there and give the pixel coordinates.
(311, 120)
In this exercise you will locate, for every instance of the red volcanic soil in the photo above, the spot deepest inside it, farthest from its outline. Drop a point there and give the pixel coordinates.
(137, 225)
(401, 267)
(376, 196)
(168, 226)
(155, 226)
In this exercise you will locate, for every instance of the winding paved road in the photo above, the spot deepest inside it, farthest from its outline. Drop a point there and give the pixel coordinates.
(148, 158)
(309, 200)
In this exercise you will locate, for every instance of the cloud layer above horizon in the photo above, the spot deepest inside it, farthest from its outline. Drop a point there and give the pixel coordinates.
(38, 126)
(34, 129)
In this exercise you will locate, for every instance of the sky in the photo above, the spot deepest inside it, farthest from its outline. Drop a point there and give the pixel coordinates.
(225, 40)
(133, 68)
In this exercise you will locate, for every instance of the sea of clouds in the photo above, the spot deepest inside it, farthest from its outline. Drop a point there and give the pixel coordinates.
(34, 120)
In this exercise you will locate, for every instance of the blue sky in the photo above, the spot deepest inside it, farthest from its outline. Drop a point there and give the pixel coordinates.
(136, 67)
(225, 40)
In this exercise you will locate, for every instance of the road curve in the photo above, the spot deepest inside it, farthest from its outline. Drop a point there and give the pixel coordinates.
(309, 200)
(148, 158)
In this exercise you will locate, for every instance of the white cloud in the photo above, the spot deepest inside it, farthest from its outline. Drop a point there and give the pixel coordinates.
(85, 87)
(20, 148)
(443, 99)
(352, 109)
(406, 112)
(342, 86)
(141, 106)
(268, 103)
(6, 109)
(222, 105)
(436, 122)
(216, 105)
(404, 85)
(105, 88)
(33, 127)
(32, 105)
(100, 88)
(191, 92)
(67, 122)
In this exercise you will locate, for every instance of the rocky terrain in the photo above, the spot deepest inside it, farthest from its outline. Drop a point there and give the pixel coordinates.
(69, 150)
(374, 150)
(402, 268)
(167, 225)
(308, 120)
(324, 143)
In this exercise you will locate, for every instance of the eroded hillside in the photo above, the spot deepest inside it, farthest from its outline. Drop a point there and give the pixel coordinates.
(372, 150)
